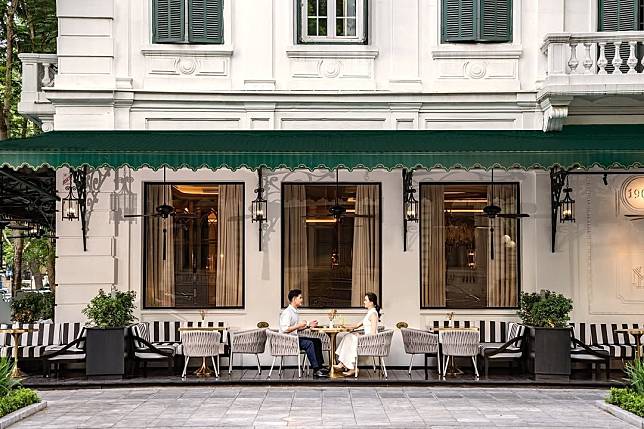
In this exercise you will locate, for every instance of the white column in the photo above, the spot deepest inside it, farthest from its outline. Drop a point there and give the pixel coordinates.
(405, 43)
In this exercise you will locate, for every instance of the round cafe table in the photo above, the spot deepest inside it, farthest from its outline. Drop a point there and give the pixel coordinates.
(331, 332)
(637, 334)
(16, 333)
(204, 371)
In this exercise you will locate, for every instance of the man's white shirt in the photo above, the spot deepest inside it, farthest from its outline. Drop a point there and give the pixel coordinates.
(289, 317)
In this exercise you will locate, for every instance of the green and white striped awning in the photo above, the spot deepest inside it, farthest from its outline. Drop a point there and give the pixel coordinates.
(605, 146)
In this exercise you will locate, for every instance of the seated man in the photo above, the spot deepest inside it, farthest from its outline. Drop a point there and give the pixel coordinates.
(290, 324)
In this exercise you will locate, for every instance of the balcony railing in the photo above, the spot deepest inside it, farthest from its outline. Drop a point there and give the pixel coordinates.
(38, 72)
(612, 54)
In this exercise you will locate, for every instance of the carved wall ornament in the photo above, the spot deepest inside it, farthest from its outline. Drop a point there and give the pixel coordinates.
(638, 277)
(475, 69)
(186, 65)
(330, 68)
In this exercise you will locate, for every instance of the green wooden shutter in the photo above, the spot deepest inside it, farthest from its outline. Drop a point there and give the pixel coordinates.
(206, 21)
(618, 15)
(459, 20)
(168, 21)
(495, 23)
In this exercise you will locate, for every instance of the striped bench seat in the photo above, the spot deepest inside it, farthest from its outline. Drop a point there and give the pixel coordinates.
(491, 331)
(165, 335)
(602, 336)
(46, 337)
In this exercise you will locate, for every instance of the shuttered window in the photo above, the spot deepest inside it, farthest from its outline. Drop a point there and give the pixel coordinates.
(168, 21)
(188, 21)
(620, 15)
(476, 20)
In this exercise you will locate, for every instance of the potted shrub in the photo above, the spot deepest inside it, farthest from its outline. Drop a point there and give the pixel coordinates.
(547, 314)
(109, 316)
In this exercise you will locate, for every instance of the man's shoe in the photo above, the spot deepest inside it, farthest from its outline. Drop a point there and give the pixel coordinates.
(324, 369)
(320, 374)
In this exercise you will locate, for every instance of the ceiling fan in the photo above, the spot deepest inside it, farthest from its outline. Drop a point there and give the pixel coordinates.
(337, 211)
(163, 211)
(492, 212)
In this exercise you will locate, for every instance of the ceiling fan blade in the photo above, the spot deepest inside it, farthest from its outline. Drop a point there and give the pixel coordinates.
(631, 215)
(491, 243)
(142, 215)
(165, 239)
(513, 215)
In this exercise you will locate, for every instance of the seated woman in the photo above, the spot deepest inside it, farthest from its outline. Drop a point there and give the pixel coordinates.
(347, 351)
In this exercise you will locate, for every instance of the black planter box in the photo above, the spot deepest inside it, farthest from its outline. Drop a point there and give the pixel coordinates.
(105, 350)
(550, 353)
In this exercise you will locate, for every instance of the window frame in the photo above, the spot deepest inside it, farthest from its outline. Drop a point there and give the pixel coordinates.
(362, 27)
(519, 247)
(187, 28)
(477, 19)
(145, 306)
(282, 241)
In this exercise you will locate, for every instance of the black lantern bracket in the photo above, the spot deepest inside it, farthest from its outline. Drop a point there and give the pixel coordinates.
(410, 204)
(79, 181)
(557, 181)
(259, 208)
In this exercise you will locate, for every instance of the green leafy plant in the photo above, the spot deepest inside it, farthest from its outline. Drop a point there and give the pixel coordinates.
(32, 307)
(545, 310)
(7, 382)
(17, 399)
(627, 399)
(113, 310)
(635, 374)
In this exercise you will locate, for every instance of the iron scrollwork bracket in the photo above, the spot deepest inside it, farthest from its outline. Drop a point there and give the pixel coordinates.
(557, 182)
(79, 177)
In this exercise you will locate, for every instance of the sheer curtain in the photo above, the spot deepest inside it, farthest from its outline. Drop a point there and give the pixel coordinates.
(432, 225)
(296, 273)
(159, 279)
(365, 272)
(502, 271)
(229, 243)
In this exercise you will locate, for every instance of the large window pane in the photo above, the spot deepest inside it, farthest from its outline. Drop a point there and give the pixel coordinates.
(194, 259)
(334, 261)
(467, 259)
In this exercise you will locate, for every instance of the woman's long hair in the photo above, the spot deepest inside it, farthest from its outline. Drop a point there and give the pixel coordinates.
(372, 297)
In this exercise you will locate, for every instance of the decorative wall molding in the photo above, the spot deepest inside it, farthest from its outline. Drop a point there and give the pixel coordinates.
(325, 51)
(510, 53)
(555, 112)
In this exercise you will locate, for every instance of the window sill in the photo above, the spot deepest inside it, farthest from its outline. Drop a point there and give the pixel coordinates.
(331, 51)
(476, 51)
(187, 49)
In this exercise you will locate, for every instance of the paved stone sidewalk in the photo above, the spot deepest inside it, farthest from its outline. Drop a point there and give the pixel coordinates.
(201, 407)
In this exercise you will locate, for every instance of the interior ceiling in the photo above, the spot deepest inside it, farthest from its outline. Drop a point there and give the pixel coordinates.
(28, 196)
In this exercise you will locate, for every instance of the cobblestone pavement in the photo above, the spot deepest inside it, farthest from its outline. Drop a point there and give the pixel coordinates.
(201, 407)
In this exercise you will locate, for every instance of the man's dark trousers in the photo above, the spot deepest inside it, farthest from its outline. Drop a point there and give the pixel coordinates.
(313, 349)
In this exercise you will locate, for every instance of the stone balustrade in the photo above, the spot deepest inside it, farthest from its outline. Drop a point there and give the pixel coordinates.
(600, 53)
(38, 72)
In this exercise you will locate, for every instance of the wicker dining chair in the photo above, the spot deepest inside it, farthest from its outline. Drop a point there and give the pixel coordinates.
(252, 341)
(201, 344)
(281, 345)
(375, 345)
(459, 342)
(420, 342)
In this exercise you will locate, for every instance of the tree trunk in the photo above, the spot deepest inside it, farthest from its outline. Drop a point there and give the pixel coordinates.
(51, 266)
(19, 246)
(5, 117)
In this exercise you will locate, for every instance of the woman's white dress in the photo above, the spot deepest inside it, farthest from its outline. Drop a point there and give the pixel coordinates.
(347, 351)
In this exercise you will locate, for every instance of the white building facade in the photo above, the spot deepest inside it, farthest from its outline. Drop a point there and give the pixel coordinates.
(380, 65)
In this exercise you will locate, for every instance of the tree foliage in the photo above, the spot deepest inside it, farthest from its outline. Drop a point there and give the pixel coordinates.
(27, 26)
